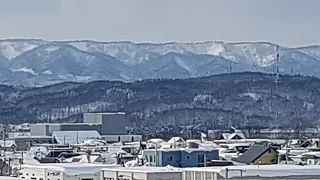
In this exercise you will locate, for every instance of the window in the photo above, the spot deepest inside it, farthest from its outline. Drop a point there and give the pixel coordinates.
(146, 158)
(170, 158)
(151, 159)
(188, 157)
(208, 157)
(269, 151)
(200, 159)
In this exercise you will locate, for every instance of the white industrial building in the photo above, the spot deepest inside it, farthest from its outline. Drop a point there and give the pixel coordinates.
(141, 173)
(112, 123)
(63, 171)
(277, 171)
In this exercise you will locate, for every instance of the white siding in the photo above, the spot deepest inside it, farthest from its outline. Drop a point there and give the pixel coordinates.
(55, 175)
(165, 176)
(141, 175)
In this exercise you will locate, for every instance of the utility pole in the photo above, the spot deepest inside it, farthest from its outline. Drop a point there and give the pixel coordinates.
(4, 141)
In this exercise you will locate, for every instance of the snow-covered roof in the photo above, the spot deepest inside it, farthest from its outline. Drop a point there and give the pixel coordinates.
(156, 140)
(144, 169)
(241, 135)
(71, 168)
(278, 170)
(176, 139)
(317, 154)
(194, 140)
(292, 151)
(228, 136)
(189, 150)
(7, 143)
(83, 159)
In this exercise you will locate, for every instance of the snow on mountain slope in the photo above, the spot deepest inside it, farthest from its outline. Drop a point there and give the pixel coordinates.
(62, 62)
(298, 62)
(13, 48)
(44, 62)
(260, 54)
(313, 51)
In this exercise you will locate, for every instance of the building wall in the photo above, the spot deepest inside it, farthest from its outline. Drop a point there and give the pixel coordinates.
(126, 175)
(38, 129)
(80, 127)
(39, 173)
(95, 176)
(122, 138)
(24, 143)
(193, 157)
(47, 174)
(92, 118)
(17, 134)
(172, 158)
(200, 175)
(43, 129)
(183, 158)
(165, 175)
(53, 127)
(114, 124)
(267, 158)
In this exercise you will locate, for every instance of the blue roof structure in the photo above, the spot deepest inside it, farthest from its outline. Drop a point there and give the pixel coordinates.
(74, 137)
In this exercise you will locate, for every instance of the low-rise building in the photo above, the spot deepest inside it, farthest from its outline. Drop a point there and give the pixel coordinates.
(142, 173)
(259, 155)
(112, 123)
(283, 172)
(188, 157)
(63, 171)
(46, 129)
(24, 142)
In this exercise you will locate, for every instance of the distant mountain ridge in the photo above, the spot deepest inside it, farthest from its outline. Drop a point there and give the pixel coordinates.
(36, 62)
(158, 107)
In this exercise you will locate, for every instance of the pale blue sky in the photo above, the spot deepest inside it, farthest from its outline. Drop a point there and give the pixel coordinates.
(287, 22)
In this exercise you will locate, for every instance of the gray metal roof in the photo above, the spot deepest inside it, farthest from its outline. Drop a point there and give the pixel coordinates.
(252, 154)
(74, 137)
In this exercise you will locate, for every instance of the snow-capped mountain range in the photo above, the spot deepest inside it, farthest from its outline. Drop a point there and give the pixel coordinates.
(33, 62)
